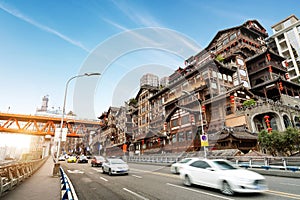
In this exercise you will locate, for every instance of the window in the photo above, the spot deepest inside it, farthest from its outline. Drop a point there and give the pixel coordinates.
(225, 41)
(214, 74)
(200, 164)
(223, 165)
(185, 119)
(174, 122)
(214, 85)
(233, 36)
(219, 75)
(189, 136)
(180, 137)
(174, 138)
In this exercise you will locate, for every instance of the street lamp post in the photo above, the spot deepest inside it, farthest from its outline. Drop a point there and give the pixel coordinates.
(64, 107)
(200, 118)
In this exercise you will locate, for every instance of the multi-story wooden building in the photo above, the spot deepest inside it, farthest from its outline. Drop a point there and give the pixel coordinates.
(209, 95)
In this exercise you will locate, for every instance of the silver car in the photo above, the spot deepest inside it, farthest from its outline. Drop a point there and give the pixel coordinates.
(115, 166)
(222, 175)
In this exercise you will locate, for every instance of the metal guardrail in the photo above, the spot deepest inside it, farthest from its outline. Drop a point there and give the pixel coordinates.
(67, 190)
(278, 163)
(12, 175)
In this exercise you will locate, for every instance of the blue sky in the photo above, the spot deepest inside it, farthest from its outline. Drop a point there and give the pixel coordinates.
(44, 43)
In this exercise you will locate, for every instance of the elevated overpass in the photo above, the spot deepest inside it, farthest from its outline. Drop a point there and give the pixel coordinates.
(45, 125)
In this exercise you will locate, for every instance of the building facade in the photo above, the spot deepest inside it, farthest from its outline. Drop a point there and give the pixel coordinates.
(230, 91)
(286, 39)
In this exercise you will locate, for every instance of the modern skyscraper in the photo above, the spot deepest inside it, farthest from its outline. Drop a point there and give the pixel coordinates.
(286, 38)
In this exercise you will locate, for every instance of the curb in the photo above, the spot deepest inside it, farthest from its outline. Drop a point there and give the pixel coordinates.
(67, 189)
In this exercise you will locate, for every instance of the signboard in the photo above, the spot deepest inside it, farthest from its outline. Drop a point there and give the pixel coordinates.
(204, 140)
(63, 135)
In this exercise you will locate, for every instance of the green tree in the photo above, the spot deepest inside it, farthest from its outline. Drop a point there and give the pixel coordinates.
(291, 140)
(249, 102)
(279, 143)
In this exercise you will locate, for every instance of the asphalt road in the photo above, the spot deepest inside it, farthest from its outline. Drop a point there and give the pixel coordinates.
(156, 182)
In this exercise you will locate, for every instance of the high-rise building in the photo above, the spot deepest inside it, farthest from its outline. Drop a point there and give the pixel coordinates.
(286, 38)
(150, 80)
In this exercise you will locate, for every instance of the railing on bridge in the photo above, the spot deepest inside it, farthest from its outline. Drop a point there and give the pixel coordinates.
(12, 175)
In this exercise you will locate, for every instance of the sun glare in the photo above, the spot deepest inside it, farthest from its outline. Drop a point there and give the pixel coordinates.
(15, 140)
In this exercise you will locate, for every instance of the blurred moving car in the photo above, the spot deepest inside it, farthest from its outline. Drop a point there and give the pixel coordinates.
(82, 159)
(61, 158)
(176, 166)
(222, 175)
(72, 159)
(97, 161)
(115, 166)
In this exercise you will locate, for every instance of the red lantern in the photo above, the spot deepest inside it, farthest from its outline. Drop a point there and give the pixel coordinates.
(286, 63)
(269, 57)
(269, 129)
(280, 86)
(232, 101)
(203, 109)
(287, 77)
(270, 68)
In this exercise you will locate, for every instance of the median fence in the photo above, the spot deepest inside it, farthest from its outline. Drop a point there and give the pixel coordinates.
(277, 163)
(12, 175)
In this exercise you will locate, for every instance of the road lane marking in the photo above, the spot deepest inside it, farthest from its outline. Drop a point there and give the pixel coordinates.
(75, 171)
(136, 194)
(103, 178)
(283, 194)
(193, 190)
(156, 173)
(137, 176)
(295, 196)
(290, 184)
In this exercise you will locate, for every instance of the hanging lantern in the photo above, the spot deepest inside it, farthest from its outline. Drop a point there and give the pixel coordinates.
(286, 63)
(232, 101)
(269, 129)
(287, 77)
(269, 57)
(270, 69)
(266, 117)
(280, 86)
(203, 109)
(165, 126)
(192, 119)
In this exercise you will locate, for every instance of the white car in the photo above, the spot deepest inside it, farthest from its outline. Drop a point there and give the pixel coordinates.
(222, 175)
(115, 166)
(175, 167)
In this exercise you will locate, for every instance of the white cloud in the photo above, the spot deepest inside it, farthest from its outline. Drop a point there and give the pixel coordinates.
(19, 15)
(140, 18)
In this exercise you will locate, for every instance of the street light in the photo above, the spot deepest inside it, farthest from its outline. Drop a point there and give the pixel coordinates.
(64, 107)
(200, 117)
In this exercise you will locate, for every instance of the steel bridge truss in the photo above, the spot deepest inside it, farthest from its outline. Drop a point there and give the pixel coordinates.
(44, 125)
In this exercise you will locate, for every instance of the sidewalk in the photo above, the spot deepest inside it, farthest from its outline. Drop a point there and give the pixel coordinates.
(41, 185)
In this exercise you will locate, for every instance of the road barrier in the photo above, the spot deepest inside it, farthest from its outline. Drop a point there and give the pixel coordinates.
(264, 162)
(12, 175)
(67, 190)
